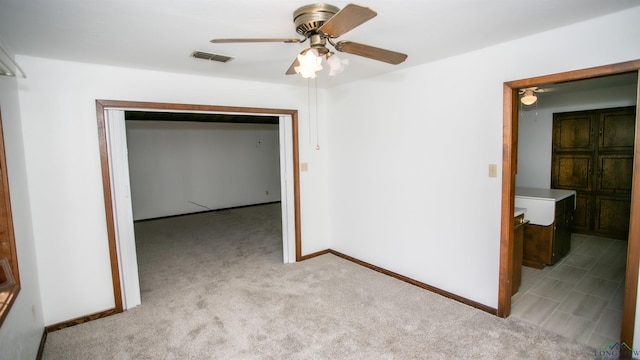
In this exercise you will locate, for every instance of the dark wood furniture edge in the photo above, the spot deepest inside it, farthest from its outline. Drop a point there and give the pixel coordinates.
(533, 264)
(12, 295)
(417, 283)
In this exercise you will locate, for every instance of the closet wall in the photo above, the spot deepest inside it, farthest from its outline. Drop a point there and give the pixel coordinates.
(186, 167)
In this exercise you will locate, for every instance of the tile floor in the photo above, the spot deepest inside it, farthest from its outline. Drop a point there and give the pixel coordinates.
(580, 296)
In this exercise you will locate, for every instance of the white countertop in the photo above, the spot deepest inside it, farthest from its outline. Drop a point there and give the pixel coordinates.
(518, 211)
(543, 194)
(540, 203)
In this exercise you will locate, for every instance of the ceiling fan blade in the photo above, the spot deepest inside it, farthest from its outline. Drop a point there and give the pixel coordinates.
(346, 19)
(292, 70)
(257, 40)
(371, 52)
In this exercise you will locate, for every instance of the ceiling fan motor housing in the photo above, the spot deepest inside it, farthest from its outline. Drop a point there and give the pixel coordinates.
(309, 18)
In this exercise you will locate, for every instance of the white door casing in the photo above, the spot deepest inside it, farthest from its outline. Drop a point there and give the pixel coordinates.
(287, 193)
(122, 209)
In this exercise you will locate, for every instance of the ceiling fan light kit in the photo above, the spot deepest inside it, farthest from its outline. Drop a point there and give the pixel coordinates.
(528, 98)
(309, 64)
(320, 24)
(336, 65)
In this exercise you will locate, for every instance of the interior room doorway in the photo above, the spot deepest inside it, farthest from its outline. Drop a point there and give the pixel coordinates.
(576, 137)
(510, 131)
(116, 190)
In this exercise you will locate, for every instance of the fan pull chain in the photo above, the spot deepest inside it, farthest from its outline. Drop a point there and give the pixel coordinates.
(309, 107)
(317, 122)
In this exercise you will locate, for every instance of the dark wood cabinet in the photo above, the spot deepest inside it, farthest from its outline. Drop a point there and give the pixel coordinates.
(562, 228)
(545, 245)
(593, 155)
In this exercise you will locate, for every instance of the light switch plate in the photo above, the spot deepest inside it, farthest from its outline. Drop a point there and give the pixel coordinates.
(304, 166)
(493, 170)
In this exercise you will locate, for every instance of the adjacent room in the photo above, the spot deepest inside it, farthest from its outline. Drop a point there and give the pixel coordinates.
(189, 163)
(577, 292)
(384, 194)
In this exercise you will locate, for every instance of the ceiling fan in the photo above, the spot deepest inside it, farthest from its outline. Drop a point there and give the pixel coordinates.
(321, 24)
(529, 94)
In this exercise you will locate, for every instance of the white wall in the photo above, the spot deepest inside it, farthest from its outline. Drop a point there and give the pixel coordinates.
(61, 147)
(409, 154)
(535, 127)
(173, 165)
(22, 329)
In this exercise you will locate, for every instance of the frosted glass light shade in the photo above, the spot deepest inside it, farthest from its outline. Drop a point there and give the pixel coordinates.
(309, 64)
(529, 98)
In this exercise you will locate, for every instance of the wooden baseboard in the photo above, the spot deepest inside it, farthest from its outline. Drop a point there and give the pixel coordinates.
(417, 283)
(80, 320)
(43, 341)
(315, 254)
(66, 324)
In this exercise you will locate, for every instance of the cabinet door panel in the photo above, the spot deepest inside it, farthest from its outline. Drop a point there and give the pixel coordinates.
(615, 173)
(573, 132)
(537, 245)
(612, 216)
(572, 172)
(617, 130)
(582, 214)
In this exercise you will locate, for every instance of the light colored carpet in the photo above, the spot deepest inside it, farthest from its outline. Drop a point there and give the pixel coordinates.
(214, 287)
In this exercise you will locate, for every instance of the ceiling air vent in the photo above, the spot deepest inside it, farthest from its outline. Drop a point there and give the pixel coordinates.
(209, 56)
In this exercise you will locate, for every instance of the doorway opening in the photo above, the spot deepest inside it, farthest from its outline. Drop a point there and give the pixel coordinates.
(576, 139)
(115, 182)
(510, 146)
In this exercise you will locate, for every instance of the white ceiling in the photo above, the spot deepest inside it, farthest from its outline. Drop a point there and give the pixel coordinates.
(161, 34)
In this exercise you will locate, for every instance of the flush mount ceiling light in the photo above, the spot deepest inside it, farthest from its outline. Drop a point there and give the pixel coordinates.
(320, 24)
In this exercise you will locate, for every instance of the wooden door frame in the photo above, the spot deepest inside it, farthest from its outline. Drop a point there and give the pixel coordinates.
(509, 161)
(101, 105)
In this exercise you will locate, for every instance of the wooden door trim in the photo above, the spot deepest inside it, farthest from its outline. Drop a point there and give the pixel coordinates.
(509, 157)
(101, 105)
(8, 240)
